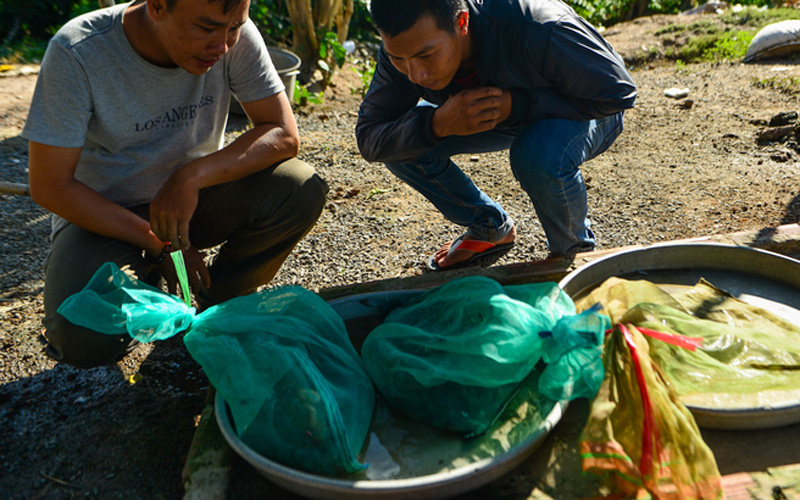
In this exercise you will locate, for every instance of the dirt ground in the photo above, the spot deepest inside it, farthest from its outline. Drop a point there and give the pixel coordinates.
(683, 167)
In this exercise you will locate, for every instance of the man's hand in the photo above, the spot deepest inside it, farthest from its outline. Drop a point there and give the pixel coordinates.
(199, 277)
(173, 208)
(472, 111)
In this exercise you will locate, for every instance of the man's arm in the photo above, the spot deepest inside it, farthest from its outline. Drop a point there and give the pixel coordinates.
(54, 187)
(272, 139)
(587, 79)
(51, 173)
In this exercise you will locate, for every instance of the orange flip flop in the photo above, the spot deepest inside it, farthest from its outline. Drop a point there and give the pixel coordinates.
(481, 249)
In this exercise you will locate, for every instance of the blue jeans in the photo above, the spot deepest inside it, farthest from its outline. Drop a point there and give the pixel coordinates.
(544, 157)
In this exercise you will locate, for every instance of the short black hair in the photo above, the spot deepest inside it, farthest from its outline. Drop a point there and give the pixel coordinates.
(227, 5)
(393, 17)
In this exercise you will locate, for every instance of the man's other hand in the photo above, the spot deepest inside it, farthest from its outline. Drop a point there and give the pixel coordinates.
(172, 209)
(472, 111)
(199, 277)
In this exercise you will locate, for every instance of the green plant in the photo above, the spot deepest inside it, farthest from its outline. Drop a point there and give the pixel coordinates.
(680, 66)
(304, 97)
(757, 18)
(787, 85)
(365, 70)
(332, 54)
(27, 25)
(272, 20)
(715, 47)
(27, 50)
(729, 47)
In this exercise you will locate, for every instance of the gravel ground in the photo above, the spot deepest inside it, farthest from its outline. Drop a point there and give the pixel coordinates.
(677, 171)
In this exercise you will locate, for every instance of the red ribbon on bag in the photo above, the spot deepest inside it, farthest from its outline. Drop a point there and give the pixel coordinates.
(690, 343)
(650, 434)
(648, 427)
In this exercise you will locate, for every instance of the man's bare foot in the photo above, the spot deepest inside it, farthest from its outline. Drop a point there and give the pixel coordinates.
(446, 260)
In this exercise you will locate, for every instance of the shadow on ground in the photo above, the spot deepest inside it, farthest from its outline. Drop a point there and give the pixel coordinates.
(98, 434)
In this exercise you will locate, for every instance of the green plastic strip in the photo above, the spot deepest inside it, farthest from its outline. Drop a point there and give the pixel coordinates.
(183, 278)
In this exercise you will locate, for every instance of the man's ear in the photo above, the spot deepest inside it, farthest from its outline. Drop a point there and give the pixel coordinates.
(156, 9)
(462, 22)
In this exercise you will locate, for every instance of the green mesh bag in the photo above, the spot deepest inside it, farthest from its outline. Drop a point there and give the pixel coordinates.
(574, 356)
(115, 304)
(454, 356)
(297, 390)
(282, 360)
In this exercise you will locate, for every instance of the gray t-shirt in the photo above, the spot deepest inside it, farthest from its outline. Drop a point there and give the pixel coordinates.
(136, 122)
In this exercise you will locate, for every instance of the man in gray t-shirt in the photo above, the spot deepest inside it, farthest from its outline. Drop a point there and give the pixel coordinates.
(126, 133)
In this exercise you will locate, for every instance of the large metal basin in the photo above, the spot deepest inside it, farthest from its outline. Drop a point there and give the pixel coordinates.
(465, 473)
(765, 279)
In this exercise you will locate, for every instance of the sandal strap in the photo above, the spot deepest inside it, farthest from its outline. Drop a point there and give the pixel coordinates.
(476, 246)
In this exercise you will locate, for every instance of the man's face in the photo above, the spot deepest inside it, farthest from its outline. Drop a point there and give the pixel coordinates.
(195, 34)
(427, 55)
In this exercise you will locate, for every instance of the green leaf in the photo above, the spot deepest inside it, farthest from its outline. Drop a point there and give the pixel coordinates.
(377, 191)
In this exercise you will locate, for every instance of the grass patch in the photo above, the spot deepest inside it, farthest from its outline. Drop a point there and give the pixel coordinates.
(701, 27)
(704, 27)
(716, 47)
(729, 46)
(756, 19)
(671, 28)
(711, 42)
(787, 85)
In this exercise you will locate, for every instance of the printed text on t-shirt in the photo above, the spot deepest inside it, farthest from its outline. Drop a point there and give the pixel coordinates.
(175, 117)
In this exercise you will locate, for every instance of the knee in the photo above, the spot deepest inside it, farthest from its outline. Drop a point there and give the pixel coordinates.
(311, 192)
(425, 167)
(535, 164)
(534, 167)
(305, 190)
(312, 199)
(401, 170)
(81, 347)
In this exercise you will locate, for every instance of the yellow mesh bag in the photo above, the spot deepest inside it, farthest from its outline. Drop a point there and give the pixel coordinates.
(638, 435)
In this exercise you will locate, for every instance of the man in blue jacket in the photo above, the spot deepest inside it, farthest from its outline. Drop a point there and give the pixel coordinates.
(471, 76)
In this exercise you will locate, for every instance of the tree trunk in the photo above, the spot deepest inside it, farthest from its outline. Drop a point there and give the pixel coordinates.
(637, 9)
(12, 33)
(309, 22)
(105, 3)
(343, 20)
(304, 39)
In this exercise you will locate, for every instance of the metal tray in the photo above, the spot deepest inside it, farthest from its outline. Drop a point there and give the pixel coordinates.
(465, 472)
(768, 280)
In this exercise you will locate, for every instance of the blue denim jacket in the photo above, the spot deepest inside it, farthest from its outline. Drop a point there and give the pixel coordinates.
(554, 63)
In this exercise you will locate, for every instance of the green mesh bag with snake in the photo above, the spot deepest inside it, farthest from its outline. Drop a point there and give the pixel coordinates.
(454, 356)
(281, 358)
